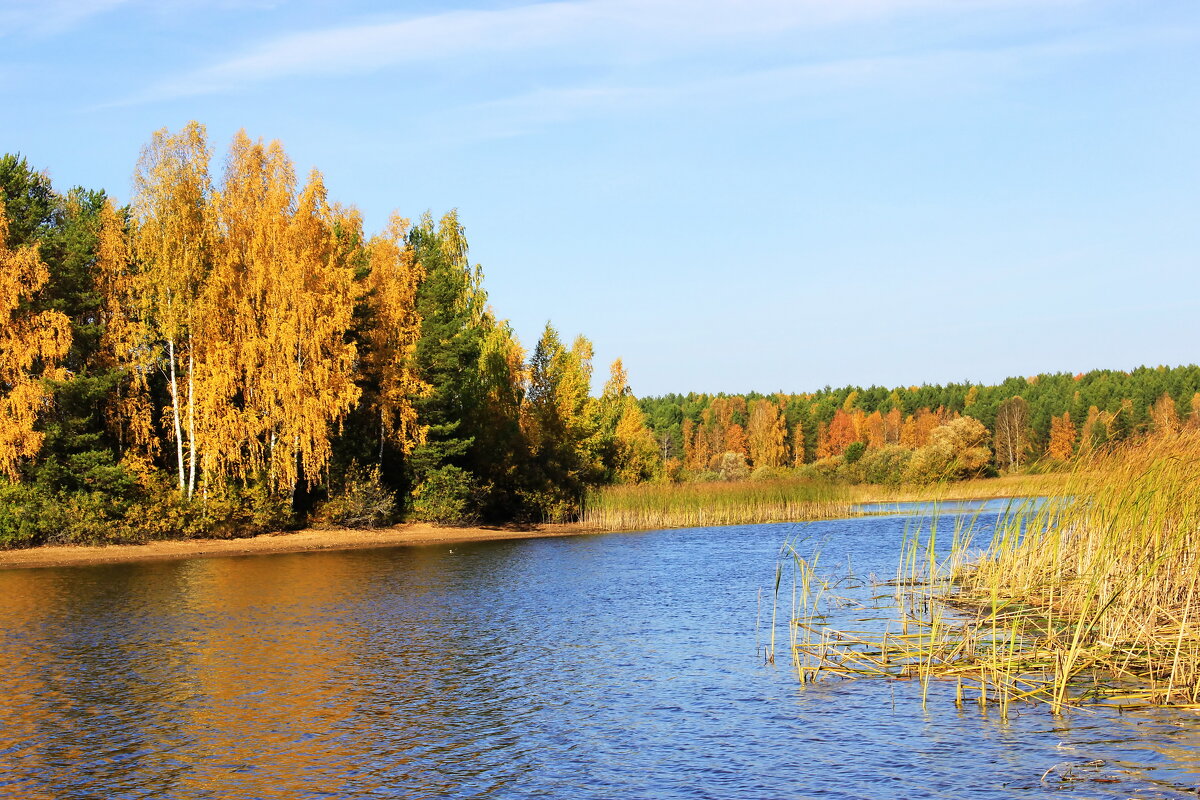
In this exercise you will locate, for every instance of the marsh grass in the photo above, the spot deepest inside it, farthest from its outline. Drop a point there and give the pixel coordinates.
(1087, 598)
(651, 506)
(1008, 486)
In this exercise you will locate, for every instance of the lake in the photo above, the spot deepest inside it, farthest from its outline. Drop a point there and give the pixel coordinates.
(598, 666)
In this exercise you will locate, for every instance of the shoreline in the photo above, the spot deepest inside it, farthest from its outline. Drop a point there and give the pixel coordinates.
(306, 540)
(420, 533)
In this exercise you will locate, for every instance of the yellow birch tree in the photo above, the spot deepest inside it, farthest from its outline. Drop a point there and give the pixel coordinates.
(173, 241)
(32, 344)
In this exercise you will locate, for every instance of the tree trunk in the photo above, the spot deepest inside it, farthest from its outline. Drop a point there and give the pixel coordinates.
(175, 413)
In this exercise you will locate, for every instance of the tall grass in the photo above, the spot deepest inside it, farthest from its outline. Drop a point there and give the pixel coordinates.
(689, 505)
(1008, 486)
(1091, 598)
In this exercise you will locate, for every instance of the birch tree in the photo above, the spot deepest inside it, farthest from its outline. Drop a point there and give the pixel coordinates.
(173, 240)
(32, 345)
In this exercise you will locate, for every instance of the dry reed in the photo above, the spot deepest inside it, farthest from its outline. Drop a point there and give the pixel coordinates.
(693, 505)
(1089, 598)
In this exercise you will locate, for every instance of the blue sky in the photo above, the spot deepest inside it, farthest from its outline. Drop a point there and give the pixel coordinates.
(732, 196)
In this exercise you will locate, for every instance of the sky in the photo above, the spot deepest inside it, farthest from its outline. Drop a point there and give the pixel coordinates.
(729, 195)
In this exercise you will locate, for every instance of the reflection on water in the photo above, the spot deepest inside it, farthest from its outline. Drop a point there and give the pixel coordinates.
(606, 666)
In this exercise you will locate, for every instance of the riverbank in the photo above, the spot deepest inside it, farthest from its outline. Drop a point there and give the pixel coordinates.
(669, 506)
(303, 541)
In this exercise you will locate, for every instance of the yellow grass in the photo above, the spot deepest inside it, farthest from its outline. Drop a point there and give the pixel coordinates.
(693, 505)
(687, 505)
(975, 489)
(1090, 599)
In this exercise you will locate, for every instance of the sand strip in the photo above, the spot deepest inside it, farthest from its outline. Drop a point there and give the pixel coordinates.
(293, 542)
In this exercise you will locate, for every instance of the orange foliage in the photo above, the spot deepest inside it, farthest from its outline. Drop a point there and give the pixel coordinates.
(1062, 437)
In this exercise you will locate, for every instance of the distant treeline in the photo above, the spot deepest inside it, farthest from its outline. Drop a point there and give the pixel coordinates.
(234, 354)
(873, 433)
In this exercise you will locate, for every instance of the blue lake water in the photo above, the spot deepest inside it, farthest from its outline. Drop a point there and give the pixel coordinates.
(602, 666)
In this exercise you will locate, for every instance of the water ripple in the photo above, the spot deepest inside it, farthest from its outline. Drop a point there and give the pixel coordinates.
(590, 667)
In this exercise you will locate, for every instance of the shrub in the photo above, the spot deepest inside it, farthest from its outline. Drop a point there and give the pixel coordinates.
(886, 465)
(446, 497)
(363, 502)
(731, 466)
(765, 473)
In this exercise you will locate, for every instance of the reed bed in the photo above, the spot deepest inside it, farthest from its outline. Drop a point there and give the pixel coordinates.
(1088, 598)
(1008, 486)
(692, 505)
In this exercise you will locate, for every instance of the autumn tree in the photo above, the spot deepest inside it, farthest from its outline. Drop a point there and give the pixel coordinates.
(1164, 416)
(1062, 437)
(173, 239)
(125, 345)
(735, 440)
(766, 434)
(561, 421)
(874, 431)
(841, 432)
(32, 344)
(798, 450)
(1012, 432)
(392, 335)
(957, 449)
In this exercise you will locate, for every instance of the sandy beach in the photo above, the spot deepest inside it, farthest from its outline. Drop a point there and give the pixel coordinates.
(286, 542)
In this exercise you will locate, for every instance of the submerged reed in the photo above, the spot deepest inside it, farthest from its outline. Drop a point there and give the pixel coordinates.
(1089, 597)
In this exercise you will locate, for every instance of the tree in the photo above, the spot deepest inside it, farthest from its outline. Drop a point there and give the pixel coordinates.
(395, 328)
(32, 344)
(450, 303)
(173, 239)
(1062, 438)
(955, 450)
(1163, 415)
(766, 434)
(1012, 432)
(125, 343)
(798, 452)
(841, 432)
(561, 424)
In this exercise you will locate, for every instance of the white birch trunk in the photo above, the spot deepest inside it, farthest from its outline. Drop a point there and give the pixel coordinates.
(191, 420)
(175, 412)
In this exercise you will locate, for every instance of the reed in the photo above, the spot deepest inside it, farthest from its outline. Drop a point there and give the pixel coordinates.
(693, 505)
(1089, 598)
(1008, 486)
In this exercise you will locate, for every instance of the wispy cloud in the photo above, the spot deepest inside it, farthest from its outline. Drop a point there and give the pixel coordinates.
(50, 17)
(608, 31)
(816, 85)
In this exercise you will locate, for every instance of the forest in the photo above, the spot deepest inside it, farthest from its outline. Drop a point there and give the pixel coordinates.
(920, 434)
(232, 353)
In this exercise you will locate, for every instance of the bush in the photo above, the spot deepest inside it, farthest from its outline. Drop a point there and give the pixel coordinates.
(447, 496)
(886, 465)
(363, 502)
(731, 466)
(232, 511)
(768, 474)
(21, 510)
